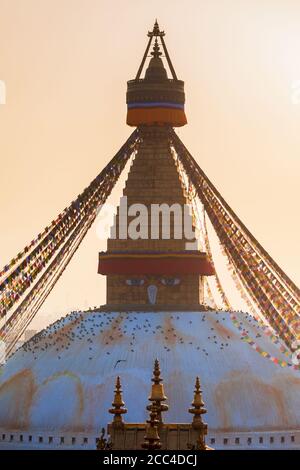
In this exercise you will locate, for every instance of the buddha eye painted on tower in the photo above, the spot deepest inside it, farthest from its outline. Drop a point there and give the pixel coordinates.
(166, 281)
(170, 281)
(135, 282)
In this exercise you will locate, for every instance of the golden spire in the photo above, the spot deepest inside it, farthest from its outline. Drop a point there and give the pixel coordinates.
(197, 406)
(157, 393)
(152, 439)
(156, 31)
(197, 410)
(118, 406)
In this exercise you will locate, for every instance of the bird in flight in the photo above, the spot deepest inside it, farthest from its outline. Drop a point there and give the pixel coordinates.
(119, 360)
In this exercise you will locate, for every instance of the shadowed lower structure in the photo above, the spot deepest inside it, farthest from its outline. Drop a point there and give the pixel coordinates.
(155, 434)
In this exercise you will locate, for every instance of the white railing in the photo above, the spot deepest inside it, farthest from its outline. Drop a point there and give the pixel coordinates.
(11, 439)
(255, 440)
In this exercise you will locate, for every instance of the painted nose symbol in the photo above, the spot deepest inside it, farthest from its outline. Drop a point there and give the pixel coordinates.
(152, 293)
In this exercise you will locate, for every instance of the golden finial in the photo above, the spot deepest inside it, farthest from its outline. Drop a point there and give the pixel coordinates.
(152, 439)
(157, 393)
(197, 406)
(156, 31)
(198, 410)
(118, 406)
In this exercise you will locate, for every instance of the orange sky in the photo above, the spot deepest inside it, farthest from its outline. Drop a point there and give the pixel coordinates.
(65, 64)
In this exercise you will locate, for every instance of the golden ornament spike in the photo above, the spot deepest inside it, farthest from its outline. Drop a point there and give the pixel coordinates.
(198, 410)
(197, 407)
(157, 393)
(118, 406)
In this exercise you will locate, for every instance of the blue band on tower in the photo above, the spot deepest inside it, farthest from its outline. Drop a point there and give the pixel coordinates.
(155, 104)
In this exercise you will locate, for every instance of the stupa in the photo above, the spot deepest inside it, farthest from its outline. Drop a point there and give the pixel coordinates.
(56, 390)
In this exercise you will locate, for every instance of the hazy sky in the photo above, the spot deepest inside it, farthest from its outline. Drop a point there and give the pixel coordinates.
(65, 64)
